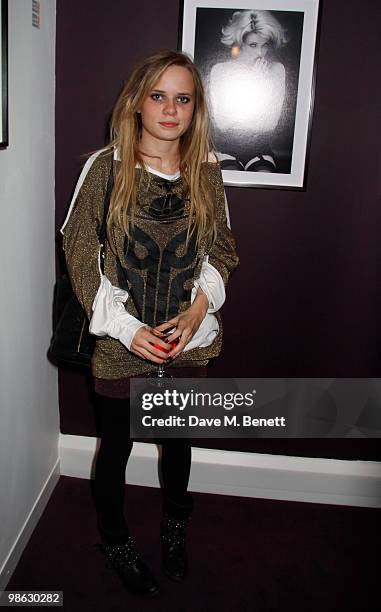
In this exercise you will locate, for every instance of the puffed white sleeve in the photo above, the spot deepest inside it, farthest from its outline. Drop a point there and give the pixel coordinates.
(109, 315)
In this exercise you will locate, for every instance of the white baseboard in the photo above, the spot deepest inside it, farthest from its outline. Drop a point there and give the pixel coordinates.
(305, 479)
(27, 529)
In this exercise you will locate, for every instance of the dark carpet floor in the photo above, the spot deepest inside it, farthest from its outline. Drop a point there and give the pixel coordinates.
(245, 554)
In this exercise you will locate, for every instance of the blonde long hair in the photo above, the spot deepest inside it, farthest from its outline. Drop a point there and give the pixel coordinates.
(195, 145)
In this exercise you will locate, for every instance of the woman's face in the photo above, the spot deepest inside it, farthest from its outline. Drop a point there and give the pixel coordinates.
(167, 111)
(254, 46)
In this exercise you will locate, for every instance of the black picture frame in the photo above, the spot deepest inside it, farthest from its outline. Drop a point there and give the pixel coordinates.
(288, 133)
(4, 124)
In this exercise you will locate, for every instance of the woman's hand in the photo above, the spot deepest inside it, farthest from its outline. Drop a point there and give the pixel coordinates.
(186, 323)
(142, 347)
(262, 65)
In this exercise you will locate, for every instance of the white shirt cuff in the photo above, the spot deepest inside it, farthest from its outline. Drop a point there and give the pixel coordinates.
(110, 317)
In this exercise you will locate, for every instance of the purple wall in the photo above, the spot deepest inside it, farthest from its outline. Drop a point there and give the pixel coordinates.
(306, 299)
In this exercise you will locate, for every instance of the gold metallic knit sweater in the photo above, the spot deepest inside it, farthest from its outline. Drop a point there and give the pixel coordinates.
(155, 266)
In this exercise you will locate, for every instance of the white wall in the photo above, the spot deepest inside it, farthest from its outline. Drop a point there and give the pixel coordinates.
(29, 424)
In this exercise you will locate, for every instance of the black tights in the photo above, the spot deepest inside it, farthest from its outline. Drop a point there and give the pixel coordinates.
(114, 451)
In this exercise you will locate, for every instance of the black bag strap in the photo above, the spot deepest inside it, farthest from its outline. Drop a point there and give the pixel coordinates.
(106, 205)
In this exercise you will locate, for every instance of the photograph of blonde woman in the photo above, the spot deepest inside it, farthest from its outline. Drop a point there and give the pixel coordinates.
(250, 61)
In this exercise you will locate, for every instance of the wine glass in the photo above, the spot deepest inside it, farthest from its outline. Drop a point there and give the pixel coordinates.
(160, 371)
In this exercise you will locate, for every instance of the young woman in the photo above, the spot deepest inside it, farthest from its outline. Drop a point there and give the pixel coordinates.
(168, 256)
(247, 91)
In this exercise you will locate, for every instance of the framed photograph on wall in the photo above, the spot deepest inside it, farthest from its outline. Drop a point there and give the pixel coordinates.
(258, 61)
(4, 73)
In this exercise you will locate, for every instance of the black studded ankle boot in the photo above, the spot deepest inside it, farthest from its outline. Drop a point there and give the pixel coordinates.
(174, 554)
(129, 566)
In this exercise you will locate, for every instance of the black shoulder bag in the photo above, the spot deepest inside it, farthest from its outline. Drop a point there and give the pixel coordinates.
(71, 341)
